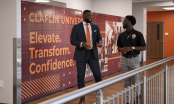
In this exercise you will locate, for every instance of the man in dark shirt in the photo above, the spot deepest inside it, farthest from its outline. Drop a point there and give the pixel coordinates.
(130, 43)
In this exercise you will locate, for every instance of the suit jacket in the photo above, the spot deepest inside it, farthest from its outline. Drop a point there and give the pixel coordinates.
(78, 36)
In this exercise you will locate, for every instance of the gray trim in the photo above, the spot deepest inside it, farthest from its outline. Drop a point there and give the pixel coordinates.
(17, 71)
(163, 34)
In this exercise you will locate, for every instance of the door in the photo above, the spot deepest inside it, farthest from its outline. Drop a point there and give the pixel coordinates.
(155, 39)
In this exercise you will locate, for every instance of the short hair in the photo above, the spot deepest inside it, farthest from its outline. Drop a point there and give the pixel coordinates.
(85, 11)
(132, 19)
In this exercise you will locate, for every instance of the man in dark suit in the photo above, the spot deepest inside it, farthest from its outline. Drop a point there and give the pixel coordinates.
(86, 37)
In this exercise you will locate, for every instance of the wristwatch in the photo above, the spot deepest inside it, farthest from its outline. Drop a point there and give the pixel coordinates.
(133, 48)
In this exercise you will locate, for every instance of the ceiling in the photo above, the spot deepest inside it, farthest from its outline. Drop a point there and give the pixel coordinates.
(55, 3)
(134, 1)
(150, 9)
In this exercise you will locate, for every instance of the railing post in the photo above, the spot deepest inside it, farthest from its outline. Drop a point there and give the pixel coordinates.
(143, 89)
(165, 83)
(99, 97)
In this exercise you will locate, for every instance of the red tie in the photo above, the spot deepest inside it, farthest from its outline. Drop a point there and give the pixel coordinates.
(88, 34)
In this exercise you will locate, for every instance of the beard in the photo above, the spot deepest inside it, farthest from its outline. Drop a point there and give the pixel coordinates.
(125, 26)
(88, 21)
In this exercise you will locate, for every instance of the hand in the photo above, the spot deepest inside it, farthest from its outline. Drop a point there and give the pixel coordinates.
(86, 45)
(122, 50)
(128, 49)
(100, 44)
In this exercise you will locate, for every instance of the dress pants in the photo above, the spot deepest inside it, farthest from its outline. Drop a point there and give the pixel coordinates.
(81, 67)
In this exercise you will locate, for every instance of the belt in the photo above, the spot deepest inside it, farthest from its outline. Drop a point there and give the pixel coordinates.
(90, 50)
(130, 56)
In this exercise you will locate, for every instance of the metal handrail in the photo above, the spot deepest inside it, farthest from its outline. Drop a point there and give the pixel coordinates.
(95, 87)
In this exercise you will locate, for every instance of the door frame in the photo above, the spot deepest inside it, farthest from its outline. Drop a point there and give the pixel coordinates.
(162, 35)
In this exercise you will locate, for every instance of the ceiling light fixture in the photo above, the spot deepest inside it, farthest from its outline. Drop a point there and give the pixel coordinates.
(169, 8)
(42, 0)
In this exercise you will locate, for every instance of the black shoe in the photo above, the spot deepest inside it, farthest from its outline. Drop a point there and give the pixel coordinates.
(138, 100)
(82, 101)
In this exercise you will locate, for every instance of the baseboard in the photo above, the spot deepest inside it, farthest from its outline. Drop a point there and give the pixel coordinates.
(154, 57)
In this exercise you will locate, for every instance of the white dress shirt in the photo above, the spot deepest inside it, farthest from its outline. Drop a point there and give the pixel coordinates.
(90, 31)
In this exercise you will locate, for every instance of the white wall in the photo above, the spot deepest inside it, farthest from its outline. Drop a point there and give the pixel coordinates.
(140, 12)
(55, 3)
(112, 7)
(10, 21)
(77, 4)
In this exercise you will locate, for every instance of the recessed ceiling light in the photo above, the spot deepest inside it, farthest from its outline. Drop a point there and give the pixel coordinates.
(169, 8)
(42, 1)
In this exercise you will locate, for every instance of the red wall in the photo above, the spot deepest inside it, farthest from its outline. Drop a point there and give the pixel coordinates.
(168, 18)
